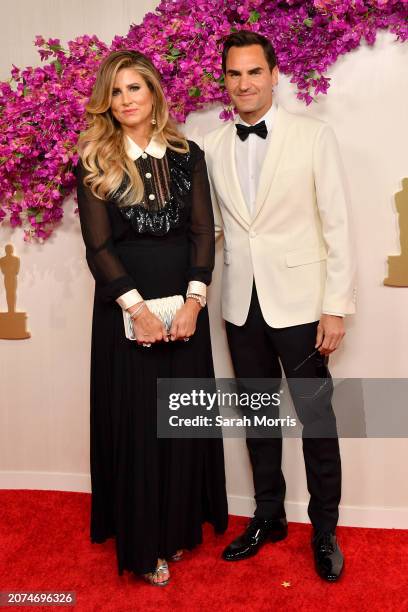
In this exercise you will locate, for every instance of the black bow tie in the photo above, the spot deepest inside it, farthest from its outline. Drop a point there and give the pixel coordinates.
(244, 131)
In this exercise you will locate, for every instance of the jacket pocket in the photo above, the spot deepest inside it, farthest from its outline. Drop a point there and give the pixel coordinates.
(305, 256)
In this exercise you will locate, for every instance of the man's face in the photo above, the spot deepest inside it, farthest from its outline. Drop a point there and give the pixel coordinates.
(249, 81)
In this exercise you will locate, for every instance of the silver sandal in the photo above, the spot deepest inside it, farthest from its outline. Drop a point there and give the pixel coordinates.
(163, 568)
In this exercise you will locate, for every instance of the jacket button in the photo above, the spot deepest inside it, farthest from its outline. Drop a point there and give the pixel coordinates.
(252, 234)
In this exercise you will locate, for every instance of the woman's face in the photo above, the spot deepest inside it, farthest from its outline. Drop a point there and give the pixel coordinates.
(132, 100)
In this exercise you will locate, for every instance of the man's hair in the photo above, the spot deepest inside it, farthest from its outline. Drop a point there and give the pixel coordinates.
(246, 38)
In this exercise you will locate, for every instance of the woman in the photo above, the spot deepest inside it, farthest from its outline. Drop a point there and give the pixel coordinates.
(146, 220)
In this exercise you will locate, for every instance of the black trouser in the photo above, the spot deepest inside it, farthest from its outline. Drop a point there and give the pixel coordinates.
(256, 349)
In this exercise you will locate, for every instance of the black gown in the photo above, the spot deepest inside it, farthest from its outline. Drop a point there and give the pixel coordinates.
(151, 494)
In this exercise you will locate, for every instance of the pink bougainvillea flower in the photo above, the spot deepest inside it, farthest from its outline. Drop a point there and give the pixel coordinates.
(42, 109)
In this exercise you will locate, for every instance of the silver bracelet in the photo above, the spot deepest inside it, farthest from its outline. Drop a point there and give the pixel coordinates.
(138, 309)
(198, 298)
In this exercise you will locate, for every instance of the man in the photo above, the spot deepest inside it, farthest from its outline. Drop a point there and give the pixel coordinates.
(280, 200)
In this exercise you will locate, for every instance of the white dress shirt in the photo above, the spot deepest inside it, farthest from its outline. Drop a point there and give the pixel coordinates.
(249, 158)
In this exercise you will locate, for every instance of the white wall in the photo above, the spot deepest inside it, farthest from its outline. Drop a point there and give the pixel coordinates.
(44, 381)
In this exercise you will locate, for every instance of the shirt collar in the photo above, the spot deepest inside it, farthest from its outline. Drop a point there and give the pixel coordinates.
(269, 117)
(155, 148)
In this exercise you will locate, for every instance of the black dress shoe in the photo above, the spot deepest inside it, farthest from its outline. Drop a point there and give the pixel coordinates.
(257, 533)
(329, 559)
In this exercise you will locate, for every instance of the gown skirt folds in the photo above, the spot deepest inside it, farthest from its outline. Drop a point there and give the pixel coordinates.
(152, 495)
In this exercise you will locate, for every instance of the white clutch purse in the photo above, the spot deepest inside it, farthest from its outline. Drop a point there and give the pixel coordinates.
(164, 308)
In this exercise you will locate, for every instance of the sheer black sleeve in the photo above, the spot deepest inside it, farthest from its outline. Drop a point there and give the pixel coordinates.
(110, 276)
(201, 229)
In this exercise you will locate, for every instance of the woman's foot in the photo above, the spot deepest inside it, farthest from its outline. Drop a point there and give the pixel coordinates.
(177, 556)
(160, 576)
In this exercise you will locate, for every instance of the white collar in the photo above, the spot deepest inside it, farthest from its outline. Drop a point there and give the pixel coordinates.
(269, 117)
(155, 148)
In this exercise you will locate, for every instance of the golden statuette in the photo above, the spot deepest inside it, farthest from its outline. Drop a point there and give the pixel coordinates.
(398, 264)
(13, 324)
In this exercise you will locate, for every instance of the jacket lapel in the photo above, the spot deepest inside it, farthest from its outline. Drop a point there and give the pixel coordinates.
(271, 161)
(231, 176)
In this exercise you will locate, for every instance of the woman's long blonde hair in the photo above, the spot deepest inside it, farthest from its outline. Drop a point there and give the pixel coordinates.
(102, 145)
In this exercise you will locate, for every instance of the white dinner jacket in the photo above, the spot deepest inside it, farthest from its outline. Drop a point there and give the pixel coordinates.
(297, 244)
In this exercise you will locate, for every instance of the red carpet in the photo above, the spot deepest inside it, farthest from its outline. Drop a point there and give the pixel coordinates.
(44, 545)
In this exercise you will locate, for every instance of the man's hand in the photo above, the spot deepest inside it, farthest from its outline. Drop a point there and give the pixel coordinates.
(330, 333)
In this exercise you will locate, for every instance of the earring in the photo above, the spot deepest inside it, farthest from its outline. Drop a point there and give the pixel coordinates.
(153, 119)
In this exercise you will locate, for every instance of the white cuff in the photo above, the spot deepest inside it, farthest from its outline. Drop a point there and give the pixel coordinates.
(336, 314)
(128, 299)
(197, 287)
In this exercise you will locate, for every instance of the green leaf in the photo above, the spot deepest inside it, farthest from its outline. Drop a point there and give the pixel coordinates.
(58, 66)
(308, 22)
(254, 17)
(194, 92)
(55, 47)
(311, 74)
(208, 75)
(39, 217)
(173, 54)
